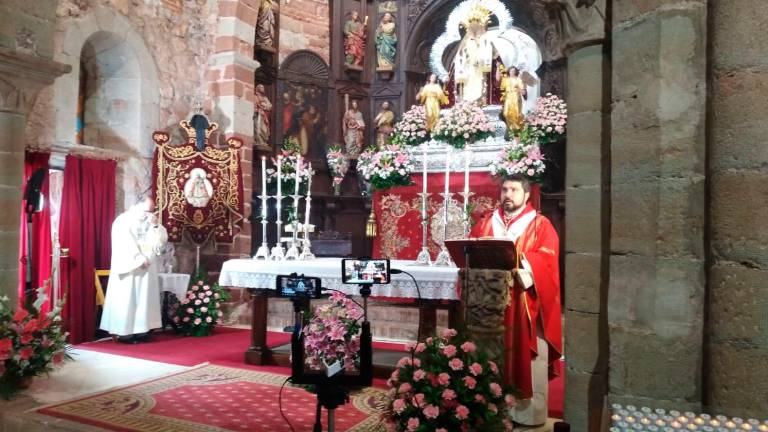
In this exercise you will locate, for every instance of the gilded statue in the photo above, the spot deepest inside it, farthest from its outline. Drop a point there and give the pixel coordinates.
(513, 91)
(432, 96)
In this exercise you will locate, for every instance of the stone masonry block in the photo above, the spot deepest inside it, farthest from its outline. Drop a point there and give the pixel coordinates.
(739, 38)
(582, 282)
(660, 218)
(738, 202)
(738, 305)
(583, 229)
(738, 380)
(738, 115)
(660, 297)
(584, 134)
(646, 364)
(582, 342)
(585, 80)
(10, 197)
(583, 394)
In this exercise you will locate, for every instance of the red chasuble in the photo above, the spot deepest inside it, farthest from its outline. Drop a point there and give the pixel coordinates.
(538, 244)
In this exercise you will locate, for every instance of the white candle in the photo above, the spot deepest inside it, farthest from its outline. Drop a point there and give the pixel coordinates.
(264, 186)
(297, 171)
(307, 201)
(467, 156)
(447, 170)
(279, 184)
(424, 181)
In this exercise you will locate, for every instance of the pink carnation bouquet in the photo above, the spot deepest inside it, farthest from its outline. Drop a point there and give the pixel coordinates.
(333, 333)
(463, 124)
(200, 310)
(338, 162)
(520, 158)
(548, 118)
(289, 167)
(447, 384)
(386, 168)
(412, 128)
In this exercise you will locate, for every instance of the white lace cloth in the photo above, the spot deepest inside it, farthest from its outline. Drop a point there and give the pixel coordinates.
(434, 282)
(176, 283)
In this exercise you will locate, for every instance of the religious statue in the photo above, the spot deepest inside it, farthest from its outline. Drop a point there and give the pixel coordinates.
(198, 189)
(354, 40)
(513, 91)
(262, 107)
(265, 24)
(353, 127)
(384, 122)
(307, 122)
(386, 42)
(475, 55)
(432, 96)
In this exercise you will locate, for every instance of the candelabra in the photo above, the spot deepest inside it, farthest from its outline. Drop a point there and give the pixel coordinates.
(293, 251)
(423, 258)
(263, 251)
(444, 258)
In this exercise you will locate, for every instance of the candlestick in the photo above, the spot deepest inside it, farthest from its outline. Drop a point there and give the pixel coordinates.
(444, 258)
(306, 251)
(263, 251)
(424, 258)
(278, 252)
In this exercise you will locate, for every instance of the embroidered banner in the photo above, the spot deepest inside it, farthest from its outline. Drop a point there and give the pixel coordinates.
(198, 192)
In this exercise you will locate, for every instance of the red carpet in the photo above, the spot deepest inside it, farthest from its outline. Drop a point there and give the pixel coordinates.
(215, 398)
(228, 345)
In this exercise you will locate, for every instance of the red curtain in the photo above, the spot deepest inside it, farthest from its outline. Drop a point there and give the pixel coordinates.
(41, 233)
(87, 213)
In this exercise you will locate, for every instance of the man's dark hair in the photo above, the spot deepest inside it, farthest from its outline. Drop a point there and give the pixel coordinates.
(520, 179)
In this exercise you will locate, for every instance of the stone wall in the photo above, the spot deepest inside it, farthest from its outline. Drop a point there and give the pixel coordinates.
(304, 24)
(737, 375)
(657, 269)
(28, 26)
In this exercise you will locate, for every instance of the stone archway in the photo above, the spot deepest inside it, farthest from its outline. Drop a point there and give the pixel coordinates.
(122, 99)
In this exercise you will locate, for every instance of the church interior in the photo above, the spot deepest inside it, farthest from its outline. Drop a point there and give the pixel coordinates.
(488, 214)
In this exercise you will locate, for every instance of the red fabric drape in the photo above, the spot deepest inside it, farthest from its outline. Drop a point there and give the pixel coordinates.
(87, 213)
(41, 233)
(398, 210)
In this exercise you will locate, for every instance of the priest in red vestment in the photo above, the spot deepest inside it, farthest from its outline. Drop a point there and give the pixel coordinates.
(533, 339)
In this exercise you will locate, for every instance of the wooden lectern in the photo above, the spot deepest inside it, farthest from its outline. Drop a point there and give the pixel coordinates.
(486, 275)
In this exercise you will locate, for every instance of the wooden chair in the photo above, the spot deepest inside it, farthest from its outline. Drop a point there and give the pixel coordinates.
(99, 289)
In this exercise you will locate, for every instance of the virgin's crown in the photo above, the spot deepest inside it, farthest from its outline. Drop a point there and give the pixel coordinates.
(477, 14)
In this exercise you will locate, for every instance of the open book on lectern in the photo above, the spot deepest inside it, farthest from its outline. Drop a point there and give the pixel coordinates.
(484, 253)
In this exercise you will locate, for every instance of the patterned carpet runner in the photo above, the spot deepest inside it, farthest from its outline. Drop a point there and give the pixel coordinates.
(216, 398)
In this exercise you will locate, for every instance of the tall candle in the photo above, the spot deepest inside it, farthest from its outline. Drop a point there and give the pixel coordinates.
(424, 169)
(307, 201)
(279, 184)
(467, 156)
(264, 186)
(297, 171)
(447, 170)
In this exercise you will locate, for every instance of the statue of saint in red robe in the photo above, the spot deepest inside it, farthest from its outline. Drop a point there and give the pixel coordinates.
(533, 340)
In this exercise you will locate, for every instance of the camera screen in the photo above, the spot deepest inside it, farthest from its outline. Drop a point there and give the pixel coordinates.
(293, 286)
(373, 271)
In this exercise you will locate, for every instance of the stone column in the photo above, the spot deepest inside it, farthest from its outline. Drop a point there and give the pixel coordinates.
(21, 78)
(586, 340)
(657, 269)
(737, 372)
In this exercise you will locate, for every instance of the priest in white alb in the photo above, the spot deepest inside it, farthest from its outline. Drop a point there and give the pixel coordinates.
(132, 304)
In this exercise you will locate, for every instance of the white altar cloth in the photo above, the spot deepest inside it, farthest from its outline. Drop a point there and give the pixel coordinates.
(176, 283)
(434, 282)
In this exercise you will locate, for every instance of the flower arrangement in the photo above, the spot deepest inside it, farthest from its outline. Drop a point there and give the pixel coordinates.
(447, 384)
(31, 344)
(333, 333)
(412, 128)
(463, 124)
(338, 162)
(199, 311)
(290, 154)
(549, 118)
(386, 168)
(522, 158)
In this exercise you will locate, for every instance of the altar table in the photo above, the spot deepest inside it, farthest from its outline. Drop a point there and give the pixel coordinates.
(436, 285)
